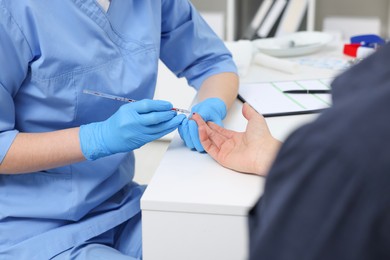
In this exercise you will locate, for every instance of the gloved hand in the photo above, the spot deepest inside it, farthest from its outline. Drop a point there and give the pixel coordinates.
(211, 109)
(132, 126)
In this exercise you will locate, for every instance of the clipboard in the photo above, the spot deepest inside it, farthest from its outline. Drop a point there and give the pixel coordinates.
(268, 98)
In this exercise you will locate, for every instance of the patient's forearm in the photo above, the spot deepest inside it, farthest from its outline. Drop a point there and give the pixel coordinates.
(223, 85)
(39, 151)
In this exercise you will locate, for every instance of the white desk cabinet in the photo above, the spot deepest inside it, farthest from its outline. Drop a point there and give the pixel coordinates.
(195, 209)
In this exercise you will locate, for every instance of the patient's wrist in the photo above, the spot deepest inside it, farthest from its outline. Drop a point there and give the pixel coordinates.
(266, 156)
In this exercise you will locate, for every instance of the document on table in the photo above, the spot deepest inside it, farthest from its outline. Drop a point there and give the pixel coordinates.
(268, 98)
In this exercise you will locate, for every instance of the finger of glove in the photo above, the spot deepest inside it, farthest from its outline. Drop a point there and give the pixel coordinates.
(165, 132)
(162, 127)
(207, 113)
(194, 134)
(218, 122)
(213, 117)
(145, 138)
(154, 118)
(207, 116)
(148, 105)
(145, 134)
(210, 109)
(180, 129)
(185, 135)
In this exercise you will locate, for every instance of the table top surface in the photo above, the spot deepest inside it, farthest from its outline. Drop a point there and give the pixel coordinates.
(192, 182)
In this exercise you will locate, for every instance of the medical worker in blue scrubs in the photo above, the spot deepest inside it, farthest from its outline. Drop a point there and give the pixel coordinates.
(66, 189)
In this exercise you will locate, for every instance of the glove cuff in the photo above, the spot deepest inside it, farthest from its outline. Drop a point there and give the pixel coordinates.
(221, 107)
(91, 144)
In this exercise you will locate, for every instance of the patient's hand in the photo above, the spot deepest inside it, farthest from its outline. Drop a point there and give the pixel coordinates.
(252, 151)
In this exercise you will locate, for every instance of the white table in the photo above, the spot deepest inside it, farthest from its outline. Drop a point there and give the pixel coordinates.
(195, 209)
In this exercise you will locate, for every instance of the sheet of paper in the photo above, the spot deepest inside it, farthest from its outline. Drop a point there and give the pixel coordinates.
(268, 97)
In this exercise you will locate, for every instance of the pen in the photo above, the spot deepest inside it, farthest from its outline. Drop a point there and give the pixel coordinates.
(307, 91)
(123, 99)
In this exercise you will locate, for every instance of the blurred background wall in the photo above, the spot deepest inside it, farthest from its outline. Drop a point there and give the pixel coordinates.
(346, 13)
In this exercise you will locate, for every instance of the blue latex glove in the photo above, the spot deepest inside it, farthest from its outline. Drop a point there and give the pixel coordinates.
(211, 109)
(132, 126)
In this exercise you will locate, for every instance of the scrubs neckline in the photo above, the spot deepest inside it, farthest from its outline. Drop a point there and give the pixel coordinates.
(96, 13)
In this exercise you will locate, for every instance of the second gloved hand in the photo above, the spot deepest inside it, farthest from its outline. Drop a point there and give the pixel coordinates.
(132, 126)
(211, 109)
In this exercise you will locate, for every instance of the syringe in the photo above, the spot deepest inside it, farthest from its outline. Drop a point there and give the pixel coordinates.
(123, 99)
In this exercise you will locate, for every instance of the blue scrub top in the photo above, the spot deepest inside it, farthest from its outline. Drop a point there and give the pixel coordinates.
(50, 51)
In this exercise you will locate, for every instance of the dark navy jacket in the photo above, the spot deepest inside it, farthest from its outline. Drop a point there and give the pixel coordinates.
(327, 195)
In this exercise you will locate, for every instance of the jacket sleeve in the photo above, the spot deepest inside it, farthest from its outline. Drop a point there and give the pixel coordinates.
(326, 195)
(15, 55)
(189, 47)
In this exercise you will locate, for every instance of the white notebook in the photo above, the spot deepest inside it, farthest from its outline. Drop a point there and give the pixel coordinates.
(268, 98)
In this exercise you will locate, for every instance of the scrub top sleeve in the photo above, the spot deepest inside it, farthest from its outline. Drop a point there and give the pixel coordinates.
(15, 55)
(189, 47)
